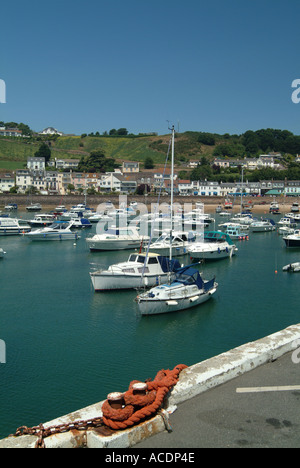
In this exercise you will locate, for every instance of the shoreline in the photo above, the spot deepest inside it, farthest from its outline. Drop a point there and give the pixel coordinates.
(260, 205)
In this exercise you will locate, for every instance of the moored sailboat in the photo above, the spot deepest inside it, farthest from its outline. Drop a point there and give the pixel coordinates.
(186, 290)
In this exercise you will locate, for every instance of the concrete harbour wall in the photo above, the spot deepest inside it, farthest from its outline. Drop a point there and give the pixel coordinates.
(193, 381)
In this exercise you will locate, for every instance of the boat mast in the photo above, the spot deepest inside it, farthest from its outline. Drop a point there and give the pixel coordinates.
(242, 189)
(172, 189)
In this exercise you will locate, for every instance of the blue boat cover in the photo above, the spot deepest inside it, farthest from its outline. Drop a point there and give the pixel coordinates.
(189, 275)
(168, 265)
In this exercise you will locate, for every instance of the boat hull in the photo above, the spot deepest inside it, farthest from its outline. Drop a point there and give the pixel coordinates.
(292, 242)
(214, 254)
(113, 245)
(262, 228)
(110, 282)
(150, 306)
(14, 231)
(52, 236)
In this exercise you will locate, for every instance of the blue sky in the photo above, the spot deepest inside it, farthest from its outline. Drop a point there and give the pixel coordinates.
(218, 65)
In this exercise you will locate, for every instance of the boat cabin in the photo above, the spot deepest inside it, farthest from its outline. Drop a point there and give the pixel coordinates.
(165, 263)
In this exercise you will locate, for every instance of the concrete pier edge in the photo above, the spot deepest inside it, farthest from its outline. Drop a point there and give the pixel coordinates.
(194, 380)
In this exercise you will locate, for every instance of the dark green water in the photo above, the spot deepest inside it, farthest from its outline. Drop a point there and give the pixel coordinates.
(67, 347)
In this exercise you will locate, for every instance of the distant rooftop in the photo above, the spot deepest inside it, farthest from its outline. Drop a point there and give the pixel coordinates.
(50, 131)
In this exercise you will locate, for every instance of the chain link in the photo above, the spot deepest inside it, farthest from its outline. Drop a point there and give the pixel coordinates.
(42, 432)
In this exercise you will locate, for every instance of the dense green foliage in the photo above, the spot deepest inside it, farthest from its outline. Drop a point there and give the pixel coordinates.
(43, 152)
(96, 162)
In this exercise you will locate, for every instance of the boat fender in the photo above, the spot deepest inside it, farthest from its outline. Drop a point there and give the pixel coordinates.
(194, 298)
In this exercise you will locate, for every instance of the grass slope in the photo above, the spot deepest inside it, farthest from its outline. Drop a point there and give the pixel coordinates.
(14, 152)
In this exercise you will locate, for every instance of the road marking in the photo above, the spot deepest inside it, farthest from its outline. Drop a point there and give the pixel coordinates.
(268, 389)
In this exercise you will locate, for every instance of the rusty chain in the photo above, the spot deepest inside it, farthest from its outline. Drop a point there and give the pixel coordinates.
(42, 432)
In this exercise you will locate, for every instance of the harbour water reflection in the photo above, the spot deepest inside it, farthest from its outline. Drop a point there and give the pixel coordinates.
(67, 347)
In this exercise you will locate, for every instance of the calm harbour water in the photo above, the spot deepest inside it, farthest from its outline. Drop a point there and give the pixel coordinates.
(67, 347)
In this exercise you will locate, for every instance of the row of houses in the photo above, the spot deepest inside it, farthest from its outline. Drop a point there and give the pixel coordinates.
(38, 165)
(62, 183)
(271, 160)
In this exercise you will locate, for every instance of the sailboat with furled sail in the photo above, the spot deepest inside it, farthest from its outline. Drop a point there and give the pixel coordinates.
(188, 288)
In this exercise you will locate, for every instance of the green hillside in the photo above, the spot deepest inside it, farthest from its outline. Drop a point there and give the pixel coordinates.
(188, 146)
(14, 152)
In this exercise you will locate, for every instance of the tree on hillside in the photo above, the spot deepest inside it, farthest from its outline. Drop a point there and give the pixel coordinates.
(203, 172)
(206, 138)
(122, 131)
(96, 162)
(43, 152)
(148, 164)
(25, 129)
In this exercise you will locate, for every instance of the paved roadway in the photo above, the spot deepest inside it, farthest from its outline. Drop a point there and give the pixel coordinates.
(222, 417)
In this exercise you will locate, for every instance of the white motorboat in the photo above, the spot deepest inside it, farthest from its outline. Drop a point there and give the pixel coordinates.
(285, 230)
(294, 216)
(292, 240)
(122, 238)
(59, 210)
(262, 226)
(69, 215)
(242, 218)
(13, 226)
(58, 231)
(80, 223)
(295, 207)
(197, 214)
(214, 245)
(178, 240)
(2, 253)
(187, 290)
(34, 207)
(141, 270)
(224, 214)
(287, 222)
(11, 207)
(194, 223)
(41, 220)
(292, 267)
(118, 213)
(274, 208)
(80, 208)
(96, 217)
